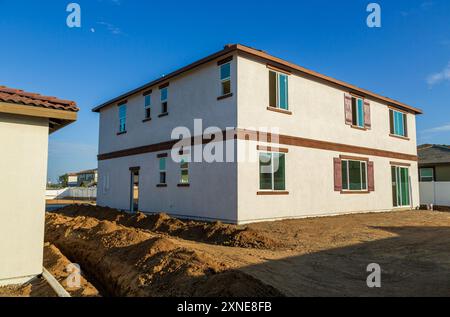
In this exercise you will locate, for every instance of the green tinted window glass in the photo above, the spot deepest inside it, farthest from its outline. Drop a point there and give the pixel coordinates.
(279, 171)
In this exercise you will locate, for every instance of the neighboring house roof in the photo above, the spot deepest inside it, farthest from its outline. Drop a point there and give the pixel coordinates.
(273, 60)
(92, 171)
(60, 112)
(434, 154)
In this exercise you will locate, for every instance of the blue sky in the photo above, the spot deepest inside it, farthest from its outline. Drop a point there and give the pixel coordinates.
(125, 43)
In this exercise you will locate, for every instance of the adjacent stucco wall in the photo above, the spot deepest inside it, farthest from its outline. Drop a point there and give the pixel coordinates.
(23, 166)
(212, 193)
(317, 113)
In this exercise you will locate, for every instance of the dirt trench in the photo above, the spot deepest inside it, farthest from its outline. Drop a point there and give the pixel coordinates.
(132, 262)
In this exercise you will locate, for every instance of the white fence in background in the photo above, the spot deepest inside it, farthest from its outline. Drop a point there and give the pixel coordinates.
(73, 192)
(437, 193)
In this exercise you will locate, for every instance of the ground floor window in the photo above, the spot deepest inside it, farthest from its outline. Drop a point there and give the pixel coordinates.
(354, 175)
(162, 170)
(184, 166)
(272, 171)
(400, 186)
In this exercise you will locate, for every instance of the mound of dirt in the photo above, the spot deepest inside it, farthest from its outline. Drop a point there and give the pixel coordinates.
(212, 233)
(129, 261)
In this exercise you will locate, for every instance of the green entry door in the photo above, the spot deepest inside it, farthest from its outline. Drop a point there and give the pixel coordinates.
(400, 186)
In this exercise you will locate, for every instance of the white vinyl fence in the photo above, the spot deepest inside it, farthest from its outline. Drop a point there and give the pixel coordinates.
(437, 193)
(73, 192)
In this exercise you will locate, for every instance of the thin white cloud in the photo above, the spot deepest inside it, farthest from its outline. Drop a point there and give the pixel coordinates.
(443, 128)
(111, 28)
(439, 77)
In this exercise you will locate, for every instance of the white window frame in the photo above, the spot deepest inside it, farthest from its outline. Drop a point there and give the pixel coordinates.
(361, 178)
(272, 172)
(420, 174)
(186, 161)
(162, 170)
(123, 119)
(357, 112)
(223, 80)
(147, 106)
(278, 91)
(165, 100)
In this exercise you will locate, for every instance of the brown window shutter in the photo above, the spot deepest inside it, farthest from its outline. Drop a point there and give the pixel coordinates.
(337, 175)
(272, 89)
(391, 121)
(405, 123)
(348, 109)
(370, 177)
(367, 122)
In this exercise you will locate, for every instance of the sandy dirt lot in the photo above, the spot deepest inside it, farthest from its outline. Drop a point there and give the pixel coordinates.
(139, 255)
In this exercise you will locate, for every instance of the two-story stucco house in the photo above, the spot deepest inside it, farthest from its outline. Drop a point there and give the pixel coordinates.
(320, 146)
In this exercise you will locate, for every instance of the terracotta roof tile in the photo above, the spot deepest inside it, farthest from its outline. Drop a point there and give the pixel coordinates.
(18, 96)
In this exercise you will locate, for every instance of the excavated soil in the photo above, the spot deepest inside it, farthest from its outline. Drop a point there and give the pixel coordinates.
(128, 261)
(213, 233)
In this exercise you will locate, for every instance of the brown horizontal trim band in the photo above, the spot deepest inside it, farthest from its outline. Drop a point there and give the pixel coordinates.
(400, 164)
(273, 61)
(277, 69)
(398, 110)
(163, 115)
(225, 96)
(272, 149)
(162, 155)
(356, 96)
(135, 168)
(399, 137)
(164, 86)
(225, 60)
(120, 133)
(354, 158)
(183, 185)
(123, 102)
(243, 134)
(278, 110)
(148, 92)
(272, 193)
(147, 120)
(161, 185)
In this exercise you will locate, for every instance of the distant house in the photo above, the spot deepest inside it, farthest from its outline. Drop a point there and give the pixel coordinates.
(434, 174)
(26, 120)
(434, 163)
(85, 178)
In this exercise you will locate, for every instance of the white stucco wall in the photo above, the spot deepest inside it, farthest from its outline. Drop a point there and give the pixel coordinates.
(317, 113)
(23, 166)
(212, 193)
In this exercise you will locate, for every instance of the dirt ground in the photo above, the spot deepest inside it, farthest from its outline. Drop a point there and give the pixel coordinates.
(139, 255)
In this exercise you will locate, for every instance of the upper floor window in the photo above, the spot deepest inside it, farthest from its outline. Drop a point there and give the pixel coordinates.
(426, 174)
(225, 78)
(278, 90)
(147, 106)
(272, 171)
(164, 97)
(123, 118)
(354, 175)
(398, 123)
(358, 112)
